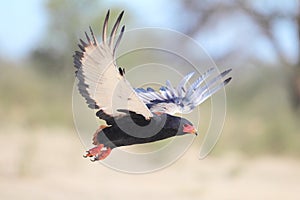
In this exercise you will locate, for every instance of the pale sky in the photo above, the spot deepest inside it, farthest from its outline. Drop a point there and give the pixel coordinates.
(23, 24)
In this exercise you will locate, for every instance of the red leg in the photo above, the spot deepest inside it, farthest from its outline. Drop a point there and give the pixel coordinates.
(94, 151)
(104, 154)
(98, 153)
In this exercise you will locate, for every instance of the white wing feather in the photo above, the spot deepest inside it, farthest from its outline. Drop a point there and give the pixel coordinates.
(182, 99)
(101, 82)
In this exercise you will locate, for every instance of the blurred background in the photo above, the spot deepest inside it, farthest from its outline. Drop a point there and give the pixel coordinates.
(258, 154)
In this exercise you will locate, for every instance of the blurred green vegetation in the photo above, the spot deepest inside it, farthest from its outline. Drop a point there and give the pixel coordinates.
(31, 99)
(260, 118)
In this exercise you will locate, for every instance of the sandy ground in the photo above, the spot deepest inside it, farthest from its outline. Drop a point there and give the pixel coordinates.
(44, 164)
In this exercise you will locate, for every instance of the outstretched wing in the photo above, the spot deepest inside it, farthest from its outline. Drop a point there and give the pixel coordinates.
(182, 99)
(101, 82)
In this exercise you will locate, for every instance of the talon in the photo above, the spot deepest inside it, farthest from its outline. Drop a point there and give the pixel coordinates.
(88, 154)
(98, 153)
(94, 151)
(94, 159)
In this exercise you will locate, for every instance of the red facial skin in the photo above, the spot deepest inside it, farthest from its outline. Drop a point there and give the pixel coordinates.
(187, 128)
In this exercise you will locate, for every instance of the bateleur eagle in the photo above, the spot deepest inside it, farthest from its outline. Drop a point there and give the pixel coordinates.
(133, 116)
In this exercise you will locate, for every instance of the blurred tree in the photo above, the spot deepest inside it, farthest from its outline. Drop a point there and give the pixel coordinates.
(262, 18)
(67, 22)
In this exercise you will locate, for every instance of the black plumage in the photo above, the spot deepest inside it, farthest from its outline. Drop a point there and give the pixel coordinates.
(135, 129)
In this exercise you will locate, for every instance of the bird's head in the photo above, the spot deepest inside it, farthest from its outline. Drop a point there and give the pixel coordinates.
(187, 127)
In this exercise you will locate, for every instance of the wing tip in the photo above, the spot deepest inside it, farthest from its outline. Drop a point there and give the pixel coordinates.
(122, 13)
(104, 28)
(227, 81)
(224, 73)
(114, 29)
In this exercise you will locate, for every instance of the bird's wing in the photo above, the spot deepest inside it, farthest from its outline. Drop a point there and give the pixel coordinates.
(182, 99)
(101, 82)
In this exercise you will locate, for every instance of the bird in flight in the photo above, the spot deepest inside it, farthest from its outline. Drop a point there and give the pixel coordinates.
(133, 115)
